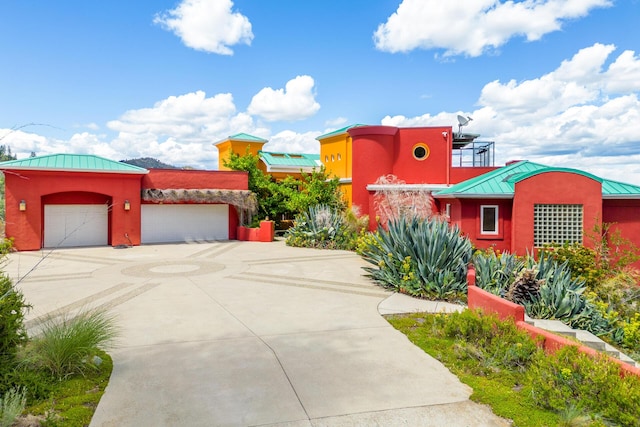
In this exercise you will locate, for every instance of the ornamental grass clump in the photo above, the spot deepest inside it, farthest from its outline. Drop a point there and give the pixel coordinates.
(425, 258)
(67, 345)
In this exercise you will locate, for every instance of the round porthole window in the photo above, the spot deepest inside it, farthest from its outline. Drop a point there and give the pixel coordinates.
(420, 151)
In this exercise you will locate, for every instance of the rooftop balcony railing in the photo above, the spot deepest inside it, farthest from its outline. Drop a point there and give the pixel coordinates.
(473, 154)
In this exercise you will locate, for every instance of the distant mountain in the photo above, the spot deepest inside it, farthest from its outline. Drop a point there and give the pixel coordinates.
(148, 163)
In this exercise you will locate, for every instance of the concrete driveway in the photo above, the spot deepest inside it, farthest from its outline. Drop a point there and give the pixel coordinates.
(247, 334)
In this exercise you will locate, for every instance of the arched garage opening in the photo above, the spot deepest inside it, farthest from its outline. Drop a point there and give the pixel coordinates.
(73, 219)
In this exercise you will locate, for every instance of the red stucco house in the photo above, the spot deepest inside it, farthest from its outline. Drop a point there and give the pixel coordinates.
(518, 207)
(83, 200)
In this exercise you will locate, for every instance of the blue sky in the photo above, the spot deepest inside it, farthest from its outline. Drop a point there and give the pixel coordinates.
(548, 80)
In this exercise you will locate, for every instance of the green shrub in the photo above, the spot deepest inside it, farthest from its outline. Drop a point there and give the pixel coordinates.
(12, 330)
(494, 343)
(364, 240)
(37, 383)
(65, 346)
(11, 406)
(581, 261)
(424, 258)
(323, 227)
(570, 377)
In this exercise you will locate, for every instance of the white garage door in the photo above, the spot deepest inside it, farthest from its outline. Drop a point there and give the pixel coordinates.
(184, 223)
(75, 225)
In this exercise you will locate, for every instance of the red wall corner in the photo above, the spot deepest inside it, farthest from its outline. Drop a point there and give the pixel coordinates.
(479, 298)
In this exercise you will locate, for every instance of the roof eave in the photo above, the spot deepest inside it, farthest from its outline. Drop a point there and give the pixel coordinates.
(473, 196)
(621, 196)
(291, 169)
(120, 172)
(408, 187)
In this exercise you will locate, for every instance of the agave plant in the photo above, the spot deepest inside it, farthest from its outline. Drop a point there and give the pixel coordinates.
(562, 297)
(425, 258)
(321, 227)
(496, 272)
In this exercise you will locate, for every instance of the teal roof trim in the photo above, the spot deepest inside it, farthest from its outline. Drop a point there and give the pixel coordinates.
(522, 176)
(247, 137)
(500, 182)
(338, 131)
(290, 160)
(73, 163)
(495, 183)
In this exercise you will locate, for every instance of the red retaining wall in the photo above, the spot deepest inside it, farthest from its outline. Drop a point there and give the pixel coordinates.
(478, 298)
(264, 233)
(550, 342)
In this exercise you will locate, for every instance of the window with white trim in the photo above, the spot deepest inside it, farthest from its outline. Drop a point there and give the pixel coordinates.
(557, 224)
(489, 219)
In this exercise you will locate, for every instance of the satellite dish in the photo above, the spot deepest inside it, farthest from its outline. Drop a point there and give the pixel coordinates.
(462, 121)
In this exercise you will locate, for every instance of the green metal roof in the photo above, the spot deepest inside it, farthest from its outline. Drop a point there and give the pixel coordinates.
(73, 163)
(495, 183)
(615, 189)
(500, 182)
(338, 131)
(290, 160)
(246, 137)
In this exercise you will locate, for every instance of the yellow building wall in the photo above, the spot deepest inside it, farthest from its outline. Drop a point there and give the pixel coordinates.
(346, 193)
(239, 147)
(335, 155)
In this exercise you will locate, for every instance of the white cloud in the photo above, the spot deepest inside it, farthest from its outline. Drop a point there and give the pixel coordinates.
(207, 25)
(295, 102)
(473, 27)
(570, 117)
(292, 142)
(336, 123)
(181, 129)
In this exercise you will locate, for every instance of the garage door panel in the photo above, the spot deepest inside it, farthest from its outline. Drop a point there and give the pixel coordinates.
(76, 225)
(184, 223)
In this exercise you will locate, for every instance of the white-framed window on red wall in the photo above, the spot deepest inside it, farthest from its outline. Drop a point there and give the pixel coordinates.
(489, 219)
(557, 224)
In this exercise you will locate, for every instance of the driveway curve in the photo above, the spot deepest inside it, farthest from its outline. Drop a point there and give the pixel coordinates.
(246, 334)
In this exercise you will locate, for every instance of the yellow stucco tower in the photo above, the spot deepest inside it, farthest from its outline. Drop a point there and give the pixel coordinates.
(335, 155)
(240, 143)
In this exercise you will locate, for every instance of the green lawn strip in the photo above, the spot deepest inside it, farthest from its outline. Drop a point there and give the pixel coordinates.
(500, 389)
(73, 401)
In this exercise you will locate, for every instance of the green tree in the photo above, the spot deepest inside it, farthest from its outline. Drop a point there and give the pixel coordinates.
(315, 188)
(5, 153)
(291, 196)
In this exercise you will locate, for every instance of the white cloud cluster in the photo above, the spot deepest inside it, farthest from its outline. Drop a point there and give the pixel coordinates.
(180, 130)
(295, 102)
(471, 27)
(207, 25)
(572, 116)
(292, 142)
